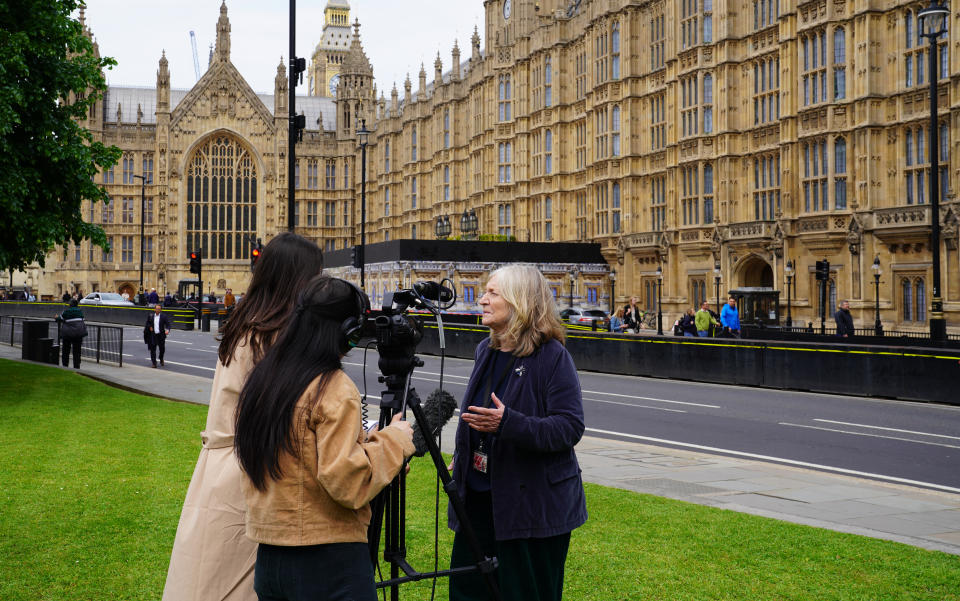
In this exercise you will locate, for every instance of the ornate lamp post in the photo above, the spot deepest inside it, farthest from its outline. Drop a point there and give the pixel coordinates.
(877, 326)
(659, 300)
(468, 224)
(141, 300)
(442, 228)
(933, 24)
(716, 282)
(613, 289)
(363, 137)
(788, 271)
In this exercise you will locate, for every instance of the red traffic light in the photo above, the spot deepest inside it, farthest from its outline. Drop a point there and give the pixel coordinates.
(255, 253)
(193, 256)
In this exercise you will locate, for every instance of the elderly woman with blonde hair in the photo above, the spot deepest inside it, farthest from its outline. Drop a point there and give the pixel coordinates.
(521, 416)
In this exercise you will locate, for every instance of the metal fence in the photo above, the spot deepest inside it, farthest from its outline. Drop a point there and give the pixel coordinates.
(831, 330)
(102, 343)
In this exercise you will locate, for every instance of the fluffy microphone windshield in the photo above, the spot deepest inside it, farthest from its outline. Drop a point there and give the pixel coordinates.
(438, 409)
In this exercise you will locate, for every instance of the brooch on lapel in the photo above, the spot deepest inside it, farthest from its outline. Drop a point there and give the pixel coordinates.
(520, 370)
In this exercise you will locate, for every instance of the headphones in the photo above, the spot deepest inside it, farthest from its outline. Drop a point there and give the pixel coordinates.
(352, 327)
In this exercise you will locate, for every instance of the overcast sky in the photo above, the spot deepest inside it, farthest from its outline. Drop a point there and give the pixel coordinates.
(397, 36)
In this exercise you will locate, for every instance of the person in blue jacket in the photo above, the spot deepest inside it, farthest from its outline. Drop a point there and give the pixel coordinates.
(514, 463)
(730, 318)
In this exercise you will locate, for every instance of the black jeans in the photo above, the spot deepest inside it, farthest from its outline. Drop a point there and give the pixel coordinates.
(333, 572)
(70, 343)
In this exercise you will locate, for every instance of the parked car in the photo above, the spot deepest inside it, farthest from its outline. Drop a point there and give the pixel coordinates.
(108, 299)
(585, 317)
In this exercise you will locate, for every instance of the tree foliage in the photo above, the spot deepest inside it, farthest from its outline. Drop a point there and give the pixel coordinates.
(50, 77)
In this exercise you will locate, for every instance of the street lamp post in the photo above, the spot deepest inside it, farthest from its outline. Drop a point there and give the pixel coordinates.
(363, 136)
(933, 24)
(788, 270)
(573, 282)
(716, 282)
(143, 185)
(659, 300)
(443, 228)
(613, 288)
(877, 326)
(468, 224)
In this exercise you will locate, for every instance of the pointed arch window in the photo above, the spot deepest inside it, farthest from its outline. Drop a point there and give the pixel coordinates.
(839, 64)
(840, 173)
(222, 192)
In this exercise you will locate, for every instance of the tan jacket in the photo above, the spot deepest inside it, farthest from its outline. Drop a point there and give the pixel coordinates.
(212, 560)
(324, 496)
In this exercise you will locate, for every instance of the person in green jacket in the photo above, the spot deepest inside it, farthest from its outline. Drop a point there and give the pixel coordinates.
(704, 320)
(72, 331)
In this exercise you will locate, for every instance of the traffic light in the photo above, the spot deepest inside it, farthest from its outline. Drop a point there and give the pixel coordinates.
(356, 257)
(823, 270)
(255, 254)
(195, 262)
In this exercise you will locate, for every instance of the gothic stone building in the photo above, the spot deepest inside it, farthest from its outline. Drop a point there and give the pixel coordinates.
(695, 136)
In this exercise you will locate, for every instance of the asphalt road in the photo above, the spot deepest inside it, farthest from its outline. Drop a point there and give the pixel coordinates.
(896, 441)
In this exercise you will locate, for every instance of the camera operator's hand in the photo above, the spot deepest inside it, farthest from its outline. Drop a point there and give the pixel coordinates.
(402, 425)
(483, 419)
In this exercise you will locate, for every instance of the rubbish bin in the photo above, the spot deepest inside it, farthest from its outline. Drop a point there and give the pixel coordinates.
(32, 331)
(42, 350)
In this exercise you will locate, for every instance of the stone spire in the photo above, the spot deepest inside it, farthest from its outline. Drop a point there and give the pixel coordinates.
(356, 61)
(437, 72)
(163, 85)
(422, 92)
(455, 66)
(280, 90)
(475, 44)
(394, 102)
(223, 35)
(406, 90)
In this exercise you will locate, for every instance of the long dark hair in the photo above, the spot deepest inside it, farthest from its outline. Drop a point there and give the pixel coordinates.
(310, 345)
(286, 265)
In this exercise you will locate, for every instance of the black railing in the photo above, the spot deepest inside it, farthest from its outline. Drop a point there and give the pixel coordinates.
(103, 343)
(860, 336)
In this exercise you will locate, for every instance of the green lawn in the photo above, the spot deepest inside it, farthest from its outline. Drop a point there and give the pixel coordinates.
(92, 479)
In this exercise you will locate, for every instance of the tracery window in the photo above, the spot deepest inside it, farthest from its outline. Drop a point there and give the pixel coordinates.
(657, 37)
(814, 177)
(658, 203)
(547, 82)
(766, 90)
(915, 159)
(840, 173)
(839, 64)
(222, 189)
(504, 96)
(913, 299)
(814, 72)
(766, 187)
(658, 127)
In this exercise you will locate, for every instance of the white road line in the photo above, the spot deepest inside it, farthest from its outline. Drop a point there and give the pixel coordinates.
(827, 468)
(935, 444)
(830, 421)
(636, 406)
(178, 342)
(647, 398)
(189, 365)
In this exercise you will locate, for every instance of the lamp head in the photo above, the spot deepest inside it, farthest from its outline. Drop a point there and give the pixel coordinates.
(789, 268)
(363, 134)
(659, 272)
(933, 19)
(876, 266)
(613, 275)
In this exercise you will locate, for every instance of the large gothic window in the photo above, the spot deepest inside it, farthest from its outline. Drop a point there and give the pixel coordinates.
(221, 199)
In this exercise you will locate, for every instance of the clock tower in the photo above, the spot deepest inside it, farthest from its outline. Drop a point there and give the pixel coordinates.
(325, 64)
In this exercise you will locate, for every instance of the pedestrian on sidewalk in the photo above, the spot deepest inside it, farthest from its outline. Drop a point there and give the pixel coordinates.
(705, 320)
(844, 320)
(688, 323)
(153, 298)
(212, 559)
(155, 333)
(730, 318)
(299, 414)
(521, 416)
(72, 331)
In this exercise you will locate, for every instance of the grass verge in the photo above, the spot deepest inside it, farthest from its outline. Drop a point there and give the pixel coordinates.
(92, 479)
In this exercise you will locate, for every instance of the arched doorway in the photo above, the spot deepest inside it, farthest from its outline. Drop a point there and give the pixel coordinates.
(128, 289)
(755, 273)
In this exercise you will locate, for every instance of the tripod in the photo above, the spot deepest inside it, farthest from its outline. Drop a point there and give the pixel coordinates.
(388, 508)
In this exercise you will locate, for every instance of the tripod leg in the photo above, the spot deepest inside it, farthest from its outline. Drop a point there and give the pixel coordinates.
(487, 566)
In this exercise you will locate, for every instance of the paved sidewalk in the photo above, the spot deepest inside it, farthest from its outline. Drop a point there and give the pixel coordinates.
(915, 516)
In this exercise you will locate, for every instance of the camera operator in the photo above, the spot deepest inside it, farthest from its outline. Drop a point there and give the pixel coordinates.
(311, 469)
(521, 416)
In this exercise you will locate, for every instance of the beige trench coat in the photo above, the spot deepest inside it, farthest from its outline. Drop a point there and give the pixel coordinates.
(212, 559)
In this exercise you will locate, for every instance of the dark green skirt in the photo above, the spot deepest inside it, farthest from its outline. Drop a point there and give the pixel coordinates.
(530, 569)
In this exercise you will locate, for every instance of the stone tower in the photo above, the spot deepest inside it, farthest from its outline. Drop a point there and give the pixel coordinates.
(327, 59)
(356, 99)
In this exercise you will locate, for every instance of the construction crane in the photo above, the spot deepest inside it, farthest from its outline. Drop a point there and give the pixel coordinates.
(196, 61)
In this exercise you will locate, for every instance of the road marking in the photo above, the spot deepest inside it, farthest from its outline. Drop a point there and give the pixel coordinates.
(189, 365)
(935, 444)
(830, 421)
(178, 342)
(818, 466)
(636, 406)
(647, 398)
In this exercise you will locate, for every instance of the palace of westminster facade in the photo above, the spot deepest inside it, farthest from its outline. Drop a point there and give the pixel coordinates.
(688, 135)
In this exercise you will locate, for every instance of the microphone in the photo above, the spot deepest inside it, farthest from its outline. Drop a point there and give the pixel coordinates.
(433, 291)
(438, 409)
